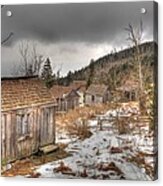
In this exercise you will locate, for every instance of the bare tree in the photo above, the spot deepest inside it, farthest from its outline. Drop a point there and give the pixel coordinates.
(24, 52)
(31, 60)
(135, 37)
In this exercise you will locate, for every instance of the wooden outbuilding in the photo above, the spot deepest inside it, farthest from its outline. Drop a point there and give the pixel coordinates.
(66, 97)
(69, 97)
(96, 94)
(27, 117)
(128, 91)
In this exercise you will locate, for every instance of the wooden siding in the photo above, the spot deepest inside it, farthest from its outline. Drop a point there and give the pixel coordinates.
(95, 99)
(41, 132)
(70, 101)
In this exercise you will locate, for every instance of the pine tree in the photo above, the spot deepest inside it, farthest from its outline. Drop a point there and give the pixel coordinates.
(91, 73)
(46, 74)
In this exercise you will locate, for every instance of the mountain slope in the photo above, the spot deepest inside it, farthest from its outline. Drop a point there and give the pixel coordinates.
(113, 69)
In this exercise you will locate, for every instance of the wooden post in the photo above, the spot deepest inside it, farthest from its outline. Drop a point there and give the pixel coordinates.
(100, 124)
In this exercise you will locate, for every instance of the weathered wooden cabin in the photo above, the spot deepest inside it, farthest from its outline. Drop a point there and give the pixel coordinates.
(69, 97)
(58, 92)
(66, 98)
(80, 87)
(27, 117)
(96, 94)
(72, 99)
(128, 91)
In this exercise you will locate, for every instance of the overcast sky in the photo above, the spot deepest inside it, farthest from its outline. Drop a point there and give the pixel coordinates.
(71, 34)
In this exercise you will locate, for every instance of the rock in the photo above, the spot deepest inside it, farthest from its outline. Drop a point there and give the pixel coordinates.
(115, 150)
(62, 168)
(84, 174)
(34, 175)
(8, 166)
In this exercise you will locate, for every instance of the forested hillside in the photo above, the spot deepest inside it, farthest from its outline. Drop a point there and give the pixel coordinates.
(113, 69)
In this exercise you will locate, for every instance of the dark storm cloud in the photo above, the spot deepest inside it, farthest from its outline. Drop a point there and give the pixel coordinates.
(92, 23)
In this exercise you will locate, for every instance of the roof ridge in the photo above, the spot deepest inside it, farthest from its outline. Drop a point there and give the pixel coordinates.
(19, 77)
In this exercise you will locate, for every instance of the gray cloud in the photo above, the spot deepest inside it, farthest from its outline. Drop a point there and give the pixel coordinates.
(71, 34)
(98, 22)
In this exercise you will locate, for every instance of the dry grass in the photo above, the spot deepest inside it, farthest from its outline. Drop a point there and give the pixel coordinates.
(75, 121)
(27, 166)
(139, 159)
(122, 125)
(86, 112)
(80, 129)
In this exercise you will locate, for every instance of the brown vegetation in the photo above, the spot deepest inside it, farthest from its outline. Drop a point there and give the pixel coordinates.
(27, 166)
(109, 167)
(64, 169)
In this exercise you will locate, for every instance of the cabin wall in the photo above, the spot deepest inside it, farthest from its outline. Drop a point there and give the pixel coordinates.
(99, 99)
(95, 99)
(88, 99)
(23, 131)
(72, 103)
(66, 104)
(81, 99)
(125, 96)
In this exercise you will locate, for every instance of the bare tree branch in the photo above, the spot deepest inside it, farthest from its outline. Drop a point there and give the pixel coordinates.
(31, 61)
(135, 36)
(7, 38)
(23, 50)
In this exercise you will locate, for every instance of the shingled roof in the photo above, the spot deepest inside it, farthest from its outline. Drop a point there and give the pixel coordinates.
(129, 85)
(94, 89)
(23, 92)
(78, 85)
(58, 91)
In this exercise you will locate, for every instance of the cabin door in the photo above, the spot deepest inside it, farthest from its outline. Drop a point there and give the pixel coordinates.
(47, 126)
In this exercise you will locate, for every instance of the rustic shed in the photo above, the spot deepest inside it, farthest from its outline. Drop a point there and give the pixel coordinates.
(129, 90)
(96, 94)
(80, 87)
(66, 98)
(58, 92)
(72, 99)
(69, 97)
(27, 117)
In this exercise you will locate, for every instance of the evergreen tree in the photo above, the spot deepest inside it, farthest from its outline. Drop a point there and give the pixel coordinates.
(46, 74)
(91, 73)
(68, 79)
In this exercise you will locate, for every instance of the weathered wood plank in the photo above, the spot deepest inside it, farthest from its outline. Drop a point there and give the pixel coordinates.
(48, 149)
(34, 130)
(37, 128)
(13, 135)
(54, 124)
(51, 124)
(3, 137)
(8, 134)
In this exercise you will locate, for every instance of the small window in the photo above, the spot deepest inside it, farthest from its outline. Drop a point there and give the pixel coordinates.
(23, 124)
(93, 98)
(133, 96)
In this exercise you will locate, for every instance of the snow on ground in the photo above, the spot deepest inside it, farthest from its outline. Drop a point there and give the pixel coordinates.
(102, 156)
